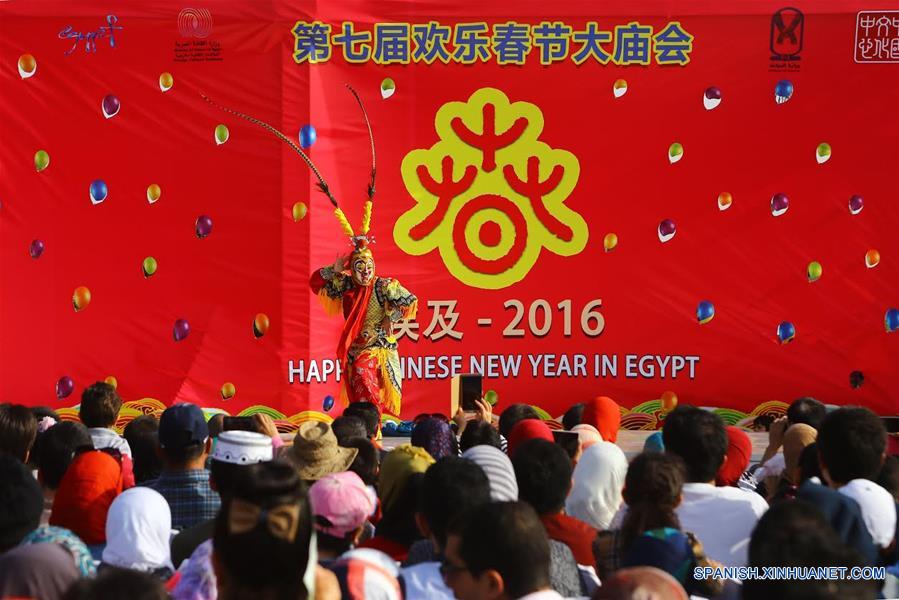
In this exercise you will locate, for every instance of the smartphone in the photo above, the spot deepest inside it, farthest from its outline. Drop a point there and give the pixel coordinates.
(466, 390)
(891, 423)
(240, 424)
(569, 440)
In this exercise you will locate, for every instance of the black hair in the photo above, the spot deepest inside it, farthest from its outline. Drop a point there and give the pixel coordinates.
(794, 533)
(40, 412)
(179, 457)
(347, 427)
(479, 433)
(806, 410)
(142, 435)
(100, 405)
(451, 486)
(509, 538)
(113, 583)
(851, 443)
(21, 502)
(543, 470)
(255, 562)
(369, 413)
(223, 474)
(512, 415)
(366, 464)
(572, 416)
(398, 523)
(698, 437)
(889, 476)
(652, 490)
(57, 449)
(18, 428)
(809, 466)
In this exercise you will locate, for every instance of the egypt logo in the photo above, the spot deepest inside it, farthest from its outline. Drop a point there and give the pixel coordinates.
(490, 196)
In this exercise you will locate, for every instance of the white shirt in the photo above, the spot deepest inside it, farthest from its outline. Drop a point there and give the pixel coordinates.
(773, 467)
(107, 438)
(722, 518)
(542, 595)
(424, 581)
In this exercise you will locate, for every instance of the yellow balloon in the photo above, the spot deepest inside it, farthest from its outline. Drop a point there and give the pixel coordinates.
(112, 381)
(153, 193)
(228, 391)
(299, 211)
(609, 242)
(166, 81)
(81, 298)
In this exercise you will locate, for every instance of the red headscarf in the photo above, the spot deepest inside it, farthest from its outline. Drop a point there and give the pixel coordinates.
(739, 451)
(90, 484)
(528, 429)
(604, 414)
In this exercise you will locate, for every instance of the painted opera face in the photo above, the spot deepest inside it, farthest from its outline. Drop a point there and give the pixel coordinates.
(363, 267)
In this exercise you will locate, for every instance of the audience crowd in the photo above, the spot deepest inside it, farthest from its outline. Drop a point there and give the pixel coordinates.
(473, 507)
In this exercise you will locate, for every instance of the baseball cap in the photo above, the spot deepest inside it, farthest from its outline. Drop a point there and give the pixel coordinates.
(182, 425)
(340, 503)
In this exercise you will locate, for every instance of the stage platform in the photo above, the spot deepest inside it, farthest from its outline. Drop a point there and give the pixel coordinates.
(629, 441)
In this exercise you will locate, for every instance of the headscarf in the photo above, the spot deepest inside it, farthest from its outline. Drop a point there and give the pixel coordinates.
(654, 443)
(665, 548)
(138, 529)
(604, 414)
(398, 466)
(528, 429)
(365, 574)
(49, 534)
(739, 451)
(795, 439)
(878, 509)
(587, 435)
(641, 582)
(44, 571)
(499, 470)
(90, 484)
(435, 436)
(595, 494)
(197, 581)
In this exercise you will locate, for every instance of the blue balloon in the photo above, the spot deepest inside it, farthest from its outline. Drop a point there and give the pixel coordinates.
(786, 331)
(705, 311)
(99, 191)
(328, 403)
(307, 136)
(783, 91)
(891, 320)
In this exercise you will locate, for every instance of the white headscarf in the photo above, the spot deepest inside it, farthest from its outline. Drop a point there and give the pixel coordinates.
(499, 471)
(878, 509)
(138, 529)
(595, 495)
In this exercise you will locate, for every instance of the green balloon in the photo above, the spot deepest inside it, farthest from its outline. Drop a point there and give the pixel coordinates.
(814, 271)
(149, 267)
(41, 160)
(221, 134)
(491, 397)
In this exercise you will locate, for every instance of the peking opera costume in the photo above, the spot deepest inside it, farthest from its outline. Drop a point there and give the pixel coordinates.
(370, 304)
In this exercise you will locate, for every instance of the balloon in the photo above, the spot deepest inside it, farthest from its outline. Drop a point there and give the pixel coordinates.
(260, 325)
(181, 330)
(36, 249)
(786, 332)
(149, 266)
(166, 81)
(856, 204)
(779, 204)
(388, 88)
(619, 88)
(891, 320)
(725, 199)
(783, 91)
(27, 66)
(221, 134)
(872, 258)
(203, 226)
(98, 191)
(81, 298)
(667, 229)
(705, 312)
(110, 106)
(669, 401)
(822, 154)
(112, 381)
(228, 391)
(153, 193)
(675, 152)
(711, 98)
(64, 387)
(856, 379)
(491, 397)
(308, 136)
(610, 242)
(41, 160)
(814, 271)
(299, 211)
(328, 403)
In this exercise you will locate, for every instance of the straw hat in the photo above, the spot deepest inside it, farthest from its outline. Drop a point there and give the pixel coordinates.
(315, 452)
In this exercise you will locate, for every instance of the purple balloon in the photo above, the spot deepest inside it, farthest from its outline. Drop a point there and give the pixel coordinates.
(713, 93)
(667, 229)
(181, 330)
(36, 249)
(64, 387)
(111, 106)
(203, 226)
(779, 204)
(856, 204)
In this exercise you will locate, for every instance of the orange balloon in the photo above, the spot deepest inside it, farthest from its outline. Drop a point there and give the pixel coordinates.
(260, 325)
(81, 298)
(669, 401)
(872, 258)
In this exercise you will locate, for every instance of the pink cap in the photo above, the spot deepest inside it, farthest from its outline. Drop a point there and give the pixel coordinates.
(343, 500)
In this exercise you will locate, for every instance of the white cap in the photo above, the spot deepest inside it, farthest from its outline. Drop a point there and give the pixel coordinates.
(242, 447)
(878, 509)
